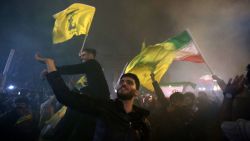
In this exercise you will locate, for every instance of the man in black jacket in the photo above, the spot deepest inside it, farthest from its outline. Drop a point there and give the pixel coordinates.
(119, 119)
(93, 81)
(75, 125)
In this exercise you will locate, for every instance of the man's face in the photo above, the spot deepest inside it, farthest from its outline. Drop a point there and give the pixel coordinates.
(84, 56)
(188, 101)
(126, 88)
(22, 109)
(177, 103)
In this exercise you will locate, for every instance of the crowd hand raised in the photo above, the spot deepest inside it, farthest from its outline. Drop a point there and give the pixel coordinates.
(234, 86)
(220, 82)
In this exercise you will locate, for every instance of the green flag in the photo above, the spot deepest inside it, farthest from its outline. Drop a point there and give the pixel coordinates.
(157, 59)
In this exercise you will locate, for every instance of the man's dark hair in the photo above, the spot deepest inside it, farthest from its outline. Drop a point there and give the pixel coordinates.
(90, 50)
(134, 77)
(176, 96)
(189, 94)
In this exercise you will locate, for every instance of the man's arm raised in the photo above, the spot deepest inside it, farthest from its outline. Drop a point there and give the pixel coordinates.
(71, 99)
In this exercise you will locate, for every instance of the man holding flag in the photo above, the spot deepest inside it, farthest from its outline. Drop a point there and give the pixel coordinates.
(74, 125)
(76, 20)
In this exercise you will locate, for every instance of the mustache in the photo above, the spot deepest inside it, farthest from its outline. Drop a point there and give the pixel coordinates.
(122, 87)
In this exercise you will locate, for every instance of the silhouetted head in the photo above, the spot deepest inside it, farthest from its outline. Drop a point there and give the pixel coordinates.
(176, 99)
(22, 105)
(189, 99)
(87, 54)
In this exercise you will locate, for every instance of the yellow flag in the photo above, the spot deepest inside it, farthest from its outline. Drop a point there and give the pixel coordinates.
(57, 116)
(155, 58)
(81, 83)
(74, 20)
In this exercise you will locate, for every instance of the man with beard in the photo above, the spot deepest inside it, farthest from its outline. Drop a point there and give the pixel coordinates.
(119, 119)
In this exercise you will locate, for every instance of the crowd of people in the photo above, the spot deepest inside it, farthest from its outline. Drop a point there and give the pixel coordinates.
(20, 115)
(86, 113)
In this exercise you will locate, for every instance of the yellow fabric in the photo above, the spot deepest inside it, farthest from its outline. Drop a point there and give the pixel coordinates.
(24, 118)
(81, 83)
(74, 20)
(155, 58)
(56, 117)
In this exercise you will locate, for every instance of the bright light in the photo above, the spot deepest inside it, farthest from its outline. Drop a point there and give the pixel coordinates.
(202, 89)
(19, 93)
(11, 87)
(216, 88)
(207, 77)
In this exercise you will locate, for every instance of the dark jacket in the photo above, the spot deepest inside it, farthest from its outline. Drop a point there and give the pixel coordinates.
(96, 83)
(118, 125)
(74, 125)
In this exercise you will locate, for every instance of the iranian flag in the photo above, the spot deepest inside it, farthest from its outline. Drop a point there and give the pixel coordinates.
(186, 49)
(158, 57)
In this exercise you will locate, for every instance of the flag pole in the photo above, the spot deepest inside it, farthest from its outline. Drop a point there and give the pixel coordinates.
(85, 37)
(196, 45)
(6, 69)
(123, 71)
(83, 43)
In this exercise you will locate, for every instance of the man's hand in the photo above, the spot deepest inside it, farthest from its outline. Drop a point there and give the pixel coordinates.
(43, 60)
(234, 86)
(48, 61)
(39, 58)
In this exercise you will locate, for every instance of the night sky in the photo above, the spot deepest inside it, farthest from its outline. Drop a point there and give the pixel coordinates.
(220, 27)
